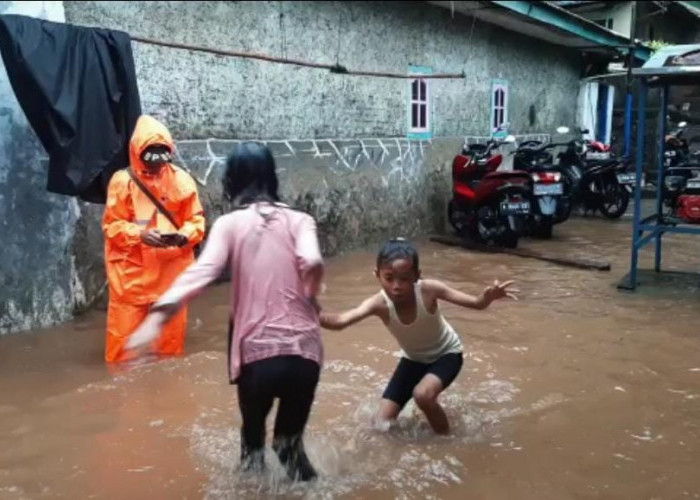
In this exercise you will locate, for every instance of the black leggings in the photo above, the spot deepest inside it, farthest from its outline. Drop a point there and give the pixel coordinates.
(293, 380)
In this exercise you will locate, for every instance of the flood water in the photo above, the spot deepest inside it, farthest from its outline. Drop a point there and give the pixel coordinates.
(576, 391)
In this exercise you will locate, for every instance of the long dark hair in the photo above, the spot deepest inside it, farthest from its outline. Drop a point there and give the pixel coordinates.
(251, 175)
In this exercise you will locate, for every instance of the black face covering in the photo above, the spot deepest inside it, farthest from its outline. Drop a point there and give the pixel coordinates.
(156, 155)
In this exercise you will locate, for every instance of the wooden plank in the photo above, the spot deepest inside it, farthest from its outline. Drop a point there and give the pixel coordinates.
(529, 254)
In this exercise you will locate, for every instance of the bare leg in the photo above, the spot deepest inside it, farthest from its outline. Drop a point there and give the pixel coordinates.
(388, 412)
(426, 397)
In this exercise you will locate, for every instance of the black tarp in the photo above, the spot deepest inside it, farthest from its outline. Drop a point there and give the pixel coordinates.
(78, 88)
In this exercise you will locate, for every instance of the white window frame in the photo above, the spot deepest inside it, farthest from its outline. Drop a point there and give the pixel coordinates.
(421, 101)
(499, 110)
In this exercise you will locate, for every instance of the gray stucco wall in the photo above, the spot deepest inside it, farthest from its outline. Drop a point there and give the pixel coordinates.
(211, 101)
(203, 96)
(339, 140)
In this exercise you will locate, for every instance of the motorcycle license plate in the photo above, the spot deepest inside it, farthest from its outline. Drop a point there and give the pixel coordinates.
(515, 208)
(548, 189)
(693, 184)
(597, 155)
(626, 178)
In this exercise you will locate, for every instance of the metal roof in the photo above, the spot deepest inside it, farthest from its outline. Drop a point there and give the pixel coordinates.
(547, 21)
(666, 66)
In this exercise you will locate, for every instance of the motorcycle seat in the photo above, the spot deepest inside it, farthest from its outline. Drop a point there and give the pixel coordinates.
(602, 164)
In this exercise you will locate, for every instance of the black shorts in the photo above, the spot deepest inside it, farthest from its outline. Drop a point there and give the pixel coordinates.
(409, 373)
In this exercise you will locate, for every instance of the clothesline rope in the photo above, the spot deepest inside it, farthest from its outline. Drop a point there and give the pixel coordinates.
(333, 68)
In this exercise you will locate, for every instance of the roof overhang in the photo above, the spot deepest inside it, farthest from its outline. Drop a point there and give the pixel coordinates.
(661, 69)
(549, 22)
(687, 8)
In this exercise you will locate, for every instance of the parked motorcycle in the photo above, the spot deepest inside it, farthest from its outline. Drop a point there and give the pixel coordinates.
(490, 206)
(681, 186)
(550, 206)
(594, 179)
(676, 149)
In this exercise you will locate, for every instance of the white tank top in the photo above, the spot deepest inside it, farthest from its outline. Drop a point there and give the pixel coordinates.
(429, 336)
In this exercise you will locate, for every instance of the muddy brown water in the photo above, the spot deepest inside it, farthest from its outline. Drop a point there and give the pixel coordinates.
(576, 391)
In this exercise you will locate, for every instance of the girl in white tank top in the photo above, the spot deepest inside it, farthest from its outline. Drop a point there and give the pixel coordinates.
(432, 351)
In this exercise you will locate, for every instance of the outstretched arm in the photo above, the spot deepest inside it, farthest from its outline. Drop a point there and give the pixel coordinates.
(338, 321)
(494, 292)
(190, 283)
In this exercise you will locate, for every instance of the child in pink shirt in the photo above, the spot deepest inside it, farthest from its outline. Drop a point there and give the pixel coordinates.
(276, 269)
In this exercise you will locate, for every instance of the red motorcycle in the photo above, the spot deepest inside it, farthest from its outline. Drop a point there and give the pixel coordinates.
(492, 207)
(681, 179)
(596, 150)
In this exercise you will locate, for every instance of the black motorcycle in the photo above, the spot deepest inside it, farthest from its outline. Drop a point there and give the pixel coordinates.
(676, 149)
(548, 201)
(594, 180)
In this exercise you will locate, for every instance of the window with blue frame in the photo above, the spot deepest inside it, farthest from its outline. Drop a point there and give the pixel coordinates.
(499, 108)
(419, 115)
(419, 105)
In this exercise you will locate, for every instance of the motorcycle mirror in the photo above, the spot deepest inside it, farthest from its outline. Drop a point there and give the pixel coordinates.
(682, 124)
(510, 139)
(563, 130)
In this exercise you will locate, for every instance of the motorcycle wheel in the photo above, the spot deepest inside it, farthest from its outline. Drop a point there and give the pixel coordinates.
(510, 240)
(543, 229)
(615, 200)
(455, 220)
(565, 213)
(565, 205)
(507, 238)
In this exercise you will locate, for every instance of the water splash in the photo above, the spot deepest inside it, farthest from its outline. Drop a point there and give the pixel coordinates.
(351, 449)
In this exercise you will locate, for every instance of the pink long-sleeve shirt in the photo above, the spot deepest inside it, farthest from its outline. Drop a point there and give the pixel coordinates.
(275, 263)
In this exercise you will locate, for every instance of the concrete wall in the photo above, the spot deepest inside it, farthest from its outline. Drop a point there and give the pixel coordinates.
(360, 190)
(211, 101)
(202, 96)
(340, 141)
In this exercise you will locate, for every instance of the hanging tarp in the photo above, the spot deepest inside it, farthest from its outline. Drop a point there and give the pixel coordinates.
(77, 87)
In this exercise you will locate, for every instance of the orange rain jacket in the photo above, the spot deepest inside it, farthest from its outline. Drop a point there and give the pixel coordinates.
(138, 274)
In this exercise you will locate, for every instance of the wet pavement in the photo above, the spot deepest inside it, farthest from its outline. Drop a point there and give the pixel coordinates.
(576, 391)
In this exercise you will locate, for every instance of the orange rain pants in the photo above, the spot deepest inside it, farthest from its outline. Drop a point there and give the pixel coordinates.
(137, 274)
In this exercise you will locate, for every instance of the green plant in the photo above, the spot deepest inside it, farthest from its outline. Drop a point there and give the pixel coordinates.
(655, 45)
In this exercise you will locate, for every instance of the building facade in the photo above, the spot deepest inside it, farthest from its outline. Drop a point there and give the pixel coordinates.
(368, 156)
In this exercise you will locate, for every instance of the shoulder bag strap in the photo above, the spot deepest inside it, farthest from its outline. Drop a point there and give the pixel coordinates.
(153, 199)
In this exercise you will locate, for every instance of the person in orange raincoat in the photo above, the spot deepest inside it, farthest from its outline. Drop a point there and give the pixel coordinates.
(146, 248)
